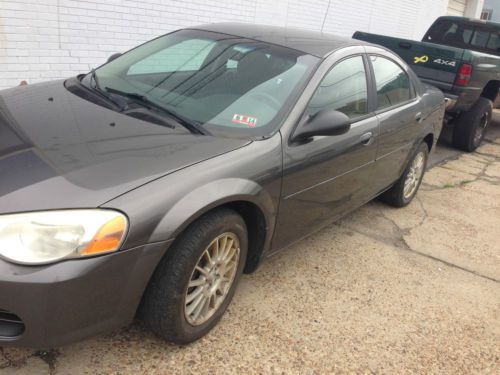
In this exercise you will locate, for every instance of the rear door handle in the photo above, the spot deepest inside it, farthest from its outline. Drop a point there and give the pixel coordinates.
(405, 45)
(418, 117)
(366, 139)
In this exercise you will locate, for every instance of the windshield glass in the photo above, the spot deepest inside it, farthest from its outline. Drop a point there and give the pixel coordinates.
(226, 84)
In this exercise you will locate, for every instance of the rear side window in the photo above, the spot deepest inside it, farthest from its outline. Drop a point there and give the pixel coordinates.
(494, 42)
(480, 38)
(465, 35)
(450, 33)
(343, 89)
(392, 82)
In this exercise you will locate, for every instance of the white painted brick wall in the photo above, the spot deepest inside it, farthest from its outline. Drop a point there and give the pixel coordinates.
(50, 39)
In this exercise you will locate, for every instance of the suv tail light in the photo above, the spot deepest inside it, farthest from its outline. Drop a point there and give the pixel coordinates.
(463, 75)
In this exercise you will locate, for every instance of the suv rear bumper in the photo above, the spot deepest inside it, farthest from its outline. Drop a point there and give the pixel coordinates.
(49, 306)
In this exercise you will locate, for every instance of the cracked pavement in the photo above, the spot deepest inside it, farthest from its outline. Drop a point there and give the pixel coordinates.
(384, 290)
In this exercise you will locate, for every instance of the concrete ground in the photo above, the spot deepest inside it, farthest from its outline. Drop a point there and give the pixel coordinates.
(383, 291)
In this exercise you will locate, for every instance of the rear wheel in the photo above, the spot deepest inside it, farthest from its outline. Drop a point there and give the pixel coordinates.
(470, 127)
(194, 284)
(405, 189)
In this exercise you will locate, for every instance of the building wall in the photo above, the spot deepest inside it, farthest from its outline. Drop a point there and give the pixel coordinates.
(50, 39)
(494, 6)
(473, 8)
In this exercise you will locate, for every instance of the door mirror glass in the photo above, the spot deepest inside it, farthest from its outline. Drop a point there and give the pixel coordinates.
(325, 122)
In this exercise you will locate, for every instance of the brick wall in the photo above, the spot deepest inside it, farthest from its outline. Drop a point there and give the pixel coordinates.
(50, 39)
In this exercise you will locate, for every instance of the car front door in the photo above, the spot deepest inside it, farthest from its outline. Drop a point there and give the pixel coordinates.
(327, 176)
(399, 111)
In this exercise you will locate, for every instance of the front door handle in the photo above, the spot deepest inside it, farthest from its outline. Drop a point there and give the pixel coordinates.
(366, 139)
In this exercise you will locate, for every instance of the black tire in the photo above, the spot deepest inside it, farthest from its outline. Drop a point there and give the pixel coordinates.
(162, 308)
(395, 196)
(470, 127)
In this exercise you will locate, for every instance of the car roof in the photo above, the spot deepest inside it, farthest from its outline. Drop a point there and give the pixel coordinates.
(312, 42)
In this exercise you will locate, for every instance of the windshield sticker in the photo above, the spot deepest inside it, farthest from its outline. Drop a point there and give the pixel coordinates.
(245, 120)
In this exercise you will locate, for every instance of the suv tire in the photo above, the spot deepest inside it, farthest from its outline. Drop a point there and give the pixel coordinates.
(470, 127)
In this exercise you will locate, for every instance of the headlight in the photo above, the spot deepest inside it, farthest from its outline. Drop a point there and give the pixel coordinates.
(45, 237)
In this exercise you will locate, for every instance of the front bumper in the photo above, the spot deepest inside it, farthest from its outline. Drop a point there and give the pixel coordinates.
(71, 300)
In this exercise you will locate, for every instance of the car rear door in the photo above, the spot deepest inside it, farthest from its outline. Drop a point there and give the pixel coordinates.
(327, 176)
(399, 111)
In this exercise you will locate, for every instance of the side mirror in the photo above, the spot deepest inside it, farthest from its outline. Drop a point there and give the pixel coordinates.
(114, 56)
(325, 122)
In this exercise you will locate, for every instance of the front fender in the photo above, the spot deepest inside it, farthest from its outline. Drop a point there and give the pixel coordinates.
(160, 209)
(211, 195)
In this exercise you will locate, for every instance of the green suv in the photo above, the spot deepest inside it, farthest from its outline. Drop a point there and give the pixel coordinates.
(460, 56)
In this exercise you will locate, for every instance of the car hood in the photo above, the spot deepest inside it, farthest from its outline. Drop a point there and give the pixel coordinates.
(58, 150)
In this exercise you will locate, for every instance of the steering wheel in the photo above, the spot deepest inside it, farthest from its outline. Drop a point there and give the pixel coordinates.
(268, 99)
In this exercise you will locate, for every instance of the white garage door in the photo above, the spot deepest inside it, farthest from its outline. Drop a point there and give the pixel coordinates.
(456, 7)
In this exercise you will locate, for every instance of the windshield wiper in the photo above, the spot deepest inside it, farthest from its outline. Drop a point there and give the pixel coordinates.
(97, 88)
(190, 125)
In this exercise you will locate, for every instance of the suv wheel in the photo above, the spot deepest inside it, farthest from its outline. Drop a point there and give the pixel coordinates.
(195, 282)
(470, 127)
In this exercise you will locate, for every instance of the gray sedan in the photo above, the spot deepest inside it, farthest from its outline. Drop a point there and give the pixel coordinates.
(149, 185)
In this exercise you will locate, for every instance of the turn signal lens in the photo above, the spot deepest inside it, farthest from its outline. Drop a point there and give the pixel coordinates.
(108, 238)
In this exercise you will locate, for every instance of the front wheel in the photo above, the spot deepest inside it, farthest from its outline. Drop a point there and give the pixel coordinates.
(405, 189)
(195, 282)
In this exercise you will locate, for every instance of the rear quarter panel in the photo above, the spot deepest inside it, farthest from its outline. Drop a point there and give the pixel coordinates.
(434, 109)
(485, 68)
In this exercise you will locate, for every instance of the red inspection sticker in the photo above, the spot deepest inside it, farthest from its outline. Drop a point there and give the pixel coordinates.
(245, 120)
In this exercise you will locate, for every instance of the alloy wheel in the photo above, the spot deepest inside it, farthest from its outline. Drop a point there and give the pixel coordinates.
(414, 175)
(479, 132)
(212, 278)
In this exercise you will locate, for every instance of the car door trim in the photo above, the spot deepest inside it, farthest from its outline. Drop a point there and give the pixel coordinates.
(329, 180)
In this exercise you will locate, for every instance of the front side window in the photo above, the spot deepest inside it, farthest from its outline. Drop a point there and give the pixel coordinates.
(343, 89)
(229, 85)
(392, 82)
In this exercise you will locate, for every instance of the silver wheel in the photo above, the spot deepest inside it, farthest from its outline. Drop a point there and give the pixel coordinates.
(212, 278)
(414, 175)
(478, 134)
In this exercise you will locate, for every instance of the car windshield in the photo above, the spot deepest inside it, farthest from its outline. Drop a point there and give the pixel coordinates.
(224, 84)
